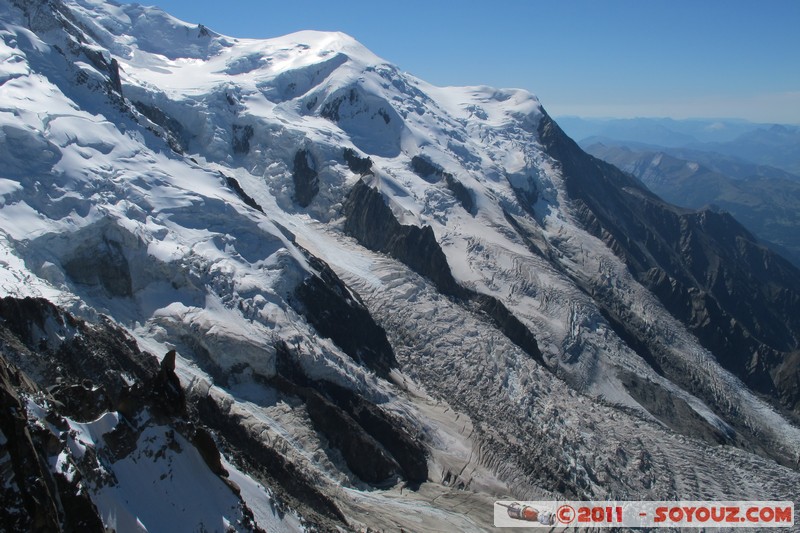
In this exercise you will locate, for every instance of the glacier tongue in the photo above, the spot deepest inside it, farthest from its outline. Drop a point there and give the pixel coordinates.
(345, 257)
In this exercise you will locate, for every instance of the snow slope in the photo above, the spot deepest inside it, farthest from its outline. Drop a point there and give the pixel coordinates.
(118, 203)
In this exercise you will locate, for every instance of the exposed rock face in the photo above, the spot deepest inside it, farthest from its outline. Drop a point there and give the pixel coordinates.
(376, 446)
(166, 389)
(241, 138)
(264, 462)
(739, 298)
(306, 183)
(331, 109)
(110, 68)
(433, 172)
(58, 350)
(764, 199)
(26, 505)
(362, 453)
(392, 433)
(113, 74)
(461, 193)
(359, 165)
(354, 103)
(371, 221)
(425, 169)
(62, 343)
(82, 402)
(526, 197)
(35, 497)
(246, 198)
(508, 324)
(207, 446)
(338, 314)
(175, 134)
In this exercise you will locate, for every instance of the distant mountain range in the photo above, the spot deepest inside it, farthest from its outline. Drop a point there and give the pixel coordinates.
(776, 145)
(763, 144)
(751, 170)
(766, 200)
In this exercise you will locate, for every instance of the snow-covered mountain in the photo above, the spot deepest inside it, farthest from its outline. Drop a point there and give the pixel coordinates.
(376, 302)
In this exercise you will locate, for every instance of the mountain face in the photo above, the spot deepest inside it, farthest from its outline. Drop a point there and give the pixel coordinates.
(282, 285)
(769, 205)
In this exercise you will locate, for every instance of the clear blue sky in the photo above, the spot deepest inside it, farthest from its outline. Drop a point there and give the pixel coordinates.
(614, 58)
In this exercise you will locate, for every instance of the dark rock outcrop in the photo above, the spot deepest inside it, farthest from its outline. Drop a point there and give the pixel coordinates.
(372, 223)
(80, 513)
(506, 322)
(364, 456)
(166, 391)
(390, 431)
(376, 446)
(426, 170)
(122, 440)
(82, 402)
(108, 68)
(60, 350)
(261, 460)
(331, 109)
(34, 497)
(526, 198)
(461, 193)
(241, 136)
(432, 172)
(113, 75)
(36, 323)
(358, 165)
(175, 134)
(306, 183)
(205, 444)
(247, 199)
(337, 313)
(30, 503)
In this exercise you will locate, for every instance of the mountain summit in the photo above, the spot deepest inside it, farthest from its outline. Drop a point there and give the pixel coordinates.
(282, 284)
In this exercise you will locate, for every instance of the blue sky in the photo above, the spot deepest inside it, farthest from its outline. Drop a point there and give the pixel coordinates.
(615, 58)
